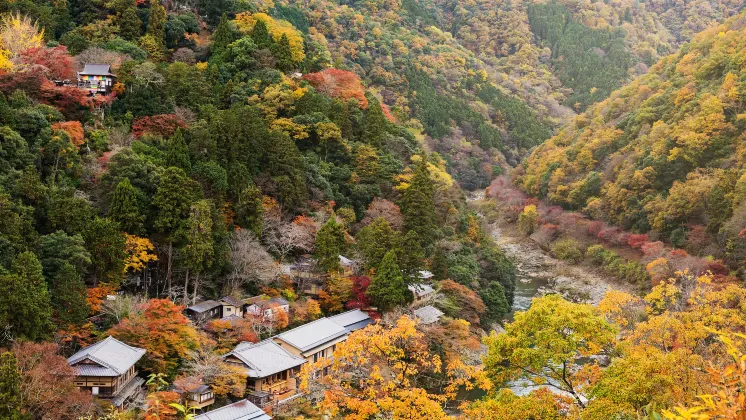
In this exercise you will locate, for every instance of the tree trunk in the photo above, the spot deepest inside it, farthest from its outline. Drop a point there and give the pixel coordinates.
(196, 285)
(186, 288)
(168, 266)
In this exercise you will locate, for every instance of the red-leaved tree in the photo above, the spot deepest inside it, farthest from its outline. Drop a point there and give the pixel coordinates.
(55, 62)
(74, 129)
(340, 84)
(164, 125)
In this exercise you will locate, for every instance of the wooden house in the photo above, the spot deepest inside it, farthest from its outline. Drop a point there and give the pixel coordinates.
(107, 370)
(271, 371)
(231, 306)
(199, 396)
(241, 410)
(96, 79)
(421, 292)
(265, 307)
(204, 311)
(314, 340)
(428, 315)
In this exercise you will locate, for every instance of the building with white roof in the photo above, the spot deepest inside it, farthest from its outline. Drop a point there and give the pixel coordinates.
(421, 291)
(428, 314)
(107, 369)
(271, 370)
(241, 410)
(314, 340)
(352, 320)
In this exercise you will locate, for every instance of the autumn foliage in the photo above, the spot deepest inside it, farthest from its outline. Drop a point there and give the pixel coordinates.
(340, 84)
(74, 129)
(164, 125)
(162, 329)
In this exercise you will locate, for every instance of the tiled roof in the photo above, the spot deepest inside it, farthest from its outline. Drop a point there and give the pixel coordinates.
(264, 301)
(97, 70)
(428, 314)
(352, 320)
(242, 410)
(313, 334)
(110, 354)
(232, 301)
(265, 358)
(345, 261)
(421, 289)
(424, 274)
(204, 306)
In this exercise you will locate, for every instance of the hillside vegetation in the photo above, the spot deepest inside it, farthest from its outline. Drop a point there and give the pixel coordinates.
(664, 153)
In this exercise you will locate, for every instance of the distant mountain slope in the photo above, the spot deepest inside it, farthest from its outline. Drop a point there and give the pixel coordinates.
(665, 153)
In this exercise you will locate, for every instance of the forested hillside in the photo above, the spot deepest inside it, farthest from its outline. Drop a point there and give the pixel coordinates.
(663, 153)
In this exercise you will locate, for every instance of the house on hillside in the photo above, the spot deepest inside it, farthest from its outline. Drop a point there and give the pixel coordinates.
(204, 311)
(265, 307)
(196, 397)
(241, 410)
(231, 306)
(352, 320)
(271, 370)
(312, 341)
(348, 266)
(96, 79)
(425, 276)
(107, 370)
(421, 291)
(428, 315)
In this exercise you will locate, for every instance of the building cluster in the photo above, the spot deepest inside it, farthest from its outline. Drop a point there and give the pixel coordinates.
(272, 366)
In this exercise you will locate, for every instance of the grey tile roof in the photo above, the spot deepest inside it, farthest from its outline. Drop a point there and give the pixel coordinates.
(345, 261)
(313, 334)
(425, 275)
(204, 306)
(428, 314)
(421, 289)
(97, 70)
(352, 320)
(265, 358)
(95, 370)
(109, 353)
(264, 301)
(242, 410)
(232, 301)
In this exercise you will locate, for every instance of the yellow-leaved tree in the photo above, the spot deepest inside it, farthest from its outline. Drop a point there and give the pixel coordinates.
(18, 33)
(277, 28)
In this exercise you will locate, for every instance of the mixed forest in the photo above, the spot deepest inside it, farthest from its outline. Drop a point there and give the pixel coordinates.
(242, 137)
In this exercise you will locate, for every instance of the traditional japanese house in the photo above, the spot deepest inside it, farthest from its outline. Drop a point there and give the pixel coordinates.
(421, 291)
(96, 78)
(265, 307)
(205, 311)
(352, 320)
(231, 306)
(428, 315)
(271, 370)
(241, 410)
(314, 340)
(199, 396)
(107, 370)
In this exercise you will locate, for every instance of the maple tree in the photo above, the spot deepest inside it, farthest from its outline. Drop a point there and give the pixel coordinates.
(161, 328)
(340, 84)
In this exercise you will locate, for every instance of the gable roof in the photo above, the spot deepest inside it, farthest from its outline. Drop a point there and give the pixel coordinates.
(428, 314)
(204, 306)
(346, 261)
(352, 320)
(313, 334)
(263, 301)
(96, 70)
(231, 301)
(265, 358)
(242, 410)
(112, 358)
(420, 289)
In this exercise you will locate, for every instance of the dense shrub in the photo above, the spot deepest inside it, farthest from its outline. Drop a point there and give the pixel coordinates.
(568, 249)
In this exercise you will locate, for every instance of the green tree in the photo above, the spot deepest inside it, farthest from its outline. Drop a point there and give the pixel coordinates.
(68, 297)
(224, 35)
(495, 302)
(419, 205)
(249, 210)
(283, 54)
(198, 239)
(177, 154)
(11, 399)
(261, 36)
(411, 256)
(59, 248)
(157, 23)
(494, 266)
(550, 344)
(330, 244)
(172, 201)
(387, 290)
(375, 123)
(107, 247)
(130, 25)
(25, 310)
(125, 208)
(374, 241)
